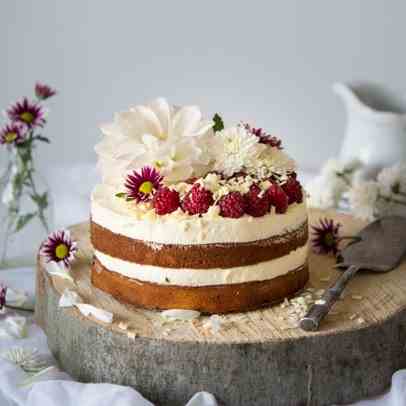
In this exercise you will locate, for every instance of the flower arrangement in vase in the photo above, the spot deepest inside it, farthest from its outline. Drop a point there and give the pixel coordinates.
(25, 198)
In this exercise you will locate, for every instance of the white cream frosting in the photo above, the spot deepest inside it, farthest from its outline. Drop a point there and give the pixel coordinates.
(206, 277)
(115, 215)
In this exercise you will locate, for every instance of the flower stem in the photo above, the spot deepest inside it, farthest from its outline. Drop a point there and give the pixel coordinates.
(24, 309)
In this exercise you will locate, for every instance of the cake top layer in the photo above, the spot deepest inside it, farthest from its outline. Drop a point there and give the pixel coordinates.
(169, 160)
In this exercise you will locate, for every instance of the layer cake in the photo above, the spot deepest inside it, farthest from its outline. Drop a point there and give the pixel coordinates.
(194, 215)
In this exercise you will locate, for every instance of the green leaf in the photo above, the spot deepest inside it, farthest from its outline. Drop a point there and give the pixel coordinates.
(218, 123)
(121, 195)
(42, 138)
(23, 220)
(41, 200)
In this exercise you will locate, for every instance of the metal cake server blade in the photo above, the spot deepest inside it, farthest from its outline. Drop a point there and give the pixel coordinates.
(379, 247)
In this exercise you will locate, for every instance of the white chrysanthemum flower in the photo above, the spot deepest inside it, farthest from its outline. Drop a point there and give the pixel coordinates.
(363, 199)
(235, 149)
(336, 177)
(171, 139)
(334, 167)
(393, 179)
(325, 192)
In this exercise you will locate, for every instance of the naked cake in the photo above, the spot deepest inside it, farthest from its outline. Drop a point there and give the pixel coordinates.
(192, 214)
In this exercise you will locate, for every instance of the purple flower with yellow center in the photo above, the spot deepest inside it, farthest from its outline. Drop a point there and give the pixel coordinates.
(3, 293)
(43, 91)
(60, 248)
(12, 134)
(325, 236)
(29, 113)
(142, 185)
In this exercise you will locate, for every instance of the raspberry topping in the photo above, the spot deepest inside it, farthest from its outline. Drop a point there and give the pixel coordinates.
(232, 205)
(197, 200)
(294, 190)
(258, 203)
(278, 198)
(165, 201)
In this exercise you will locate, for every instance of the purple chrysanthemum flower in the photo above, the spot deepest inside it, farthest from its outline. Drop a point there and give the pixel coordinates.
(264, 137)
(142, 186)
(326, 236)
(29, 113)
(59, 247)
(43, 91)
(3, 293)
(13, 133)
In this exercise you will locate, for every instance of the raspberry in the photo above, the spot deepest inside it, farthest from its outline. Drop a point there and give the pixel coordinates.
(294, 190)
(165, 201)
(232, 205)
(278, 198)
(197, 200)
(257, 206)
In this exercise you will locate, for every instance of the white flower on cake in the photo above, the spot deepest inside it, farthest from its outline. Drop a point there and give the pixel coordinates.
(274, 160)
(235, 149)
(172, 139)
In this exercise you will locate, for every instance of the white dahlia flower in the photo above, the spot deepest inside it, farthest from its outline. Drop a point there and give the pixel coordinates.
(172, 139)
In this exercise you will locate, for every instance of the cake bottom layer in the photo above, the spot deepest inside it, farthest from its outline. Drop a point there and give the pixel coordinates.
(238, 297)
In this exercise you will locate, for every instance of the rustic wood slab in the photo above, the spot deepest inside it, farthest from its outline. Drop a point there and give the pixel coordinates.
(257, 358)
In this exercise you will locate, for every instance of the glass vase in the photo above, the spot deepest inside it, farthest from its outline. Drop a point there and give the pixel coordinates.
(25, 210)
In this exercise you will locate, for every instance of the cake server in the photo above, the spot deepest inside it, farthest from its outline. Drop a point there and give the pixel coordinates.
(379, 247)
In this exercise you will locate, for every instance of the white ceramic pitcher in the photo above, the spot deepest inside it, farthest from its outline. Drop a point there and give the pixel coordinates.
(376, 124)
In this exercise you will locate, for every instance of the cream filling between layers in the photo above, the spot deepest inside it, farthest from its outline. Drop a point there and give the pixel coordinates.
(115, 214)
(206, 277)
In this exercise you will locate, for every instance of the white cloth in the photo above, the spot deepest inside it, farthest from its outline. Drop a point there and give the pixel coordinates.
(58, 388)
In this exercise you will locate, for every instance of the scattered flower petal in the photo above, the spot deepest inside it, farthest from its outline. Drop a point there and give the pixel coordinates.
(59, 269)
(14, 327)
(214, 323)
(28, 359)
(69, 298)
(16, 297)
(99, 314)
(31, 379)
(180, 314)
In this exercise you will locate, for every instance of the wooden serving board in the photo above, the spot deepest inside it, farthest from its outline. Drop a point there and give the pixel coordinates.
(256, 358)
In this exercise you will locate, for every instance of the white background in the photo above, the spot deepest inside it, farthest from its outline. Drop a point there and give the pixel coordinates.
(271, 62)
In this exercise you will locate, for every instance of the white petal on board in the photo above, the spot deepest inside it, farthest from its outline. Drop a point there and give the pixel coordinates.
(58, 269)
(99, 314)
(180, 314)
(69, 298)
